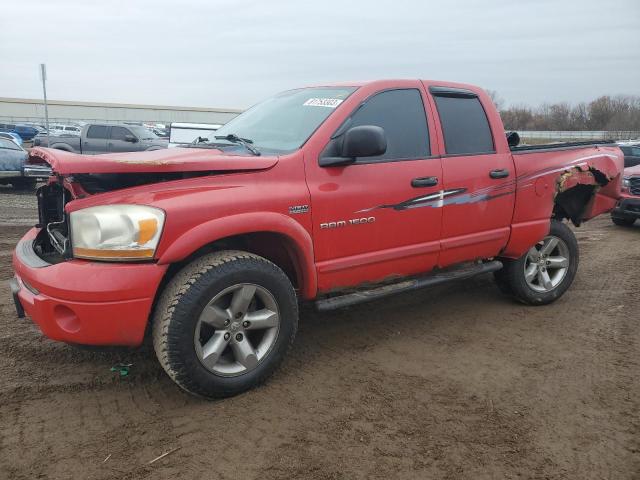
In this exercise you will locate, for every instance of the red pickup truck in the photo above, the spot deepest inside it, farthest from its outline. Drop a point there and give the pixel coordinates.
(333, 194)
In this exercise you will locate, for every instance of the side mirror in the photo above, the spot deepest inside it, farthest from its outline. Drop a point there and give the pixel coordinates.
(362, 141)
(130, 138)
(36, 142)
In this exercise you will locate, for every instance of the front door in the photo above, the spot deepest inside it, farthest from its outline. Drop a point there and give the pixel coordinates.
(373, 219)
(118, 139)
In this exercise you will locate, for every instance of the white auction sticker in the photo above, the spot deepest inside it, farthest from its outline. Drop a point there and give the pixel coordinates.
(323, 102)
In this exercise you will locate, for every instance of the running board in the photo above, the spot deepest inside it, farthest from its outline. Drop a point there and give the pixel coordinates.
(444, 276)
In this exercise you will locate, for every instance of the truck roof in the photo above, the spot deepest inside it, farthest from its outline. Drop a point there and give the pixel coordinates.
(391, 82)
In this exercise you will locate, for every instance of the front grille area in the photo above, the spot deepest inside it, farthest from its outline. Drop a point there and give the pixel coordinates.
(634, 186)
(53, 239)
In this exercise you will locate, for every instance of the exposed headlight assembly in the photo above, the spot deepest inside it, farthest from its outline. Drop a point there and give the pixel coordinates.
(116, 232)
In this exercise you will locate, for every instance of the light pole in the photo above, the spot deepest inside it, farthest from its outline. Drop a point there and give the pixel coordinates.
(43, 77)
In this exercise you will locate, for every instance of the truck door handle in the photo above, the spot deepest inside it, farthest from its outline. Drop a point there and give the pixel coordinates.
(424, 182)
(500, 173)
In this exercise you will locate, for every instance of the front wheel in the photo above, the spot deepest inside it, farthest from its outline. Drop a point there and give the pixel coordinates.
(546, 271)
(224, 323)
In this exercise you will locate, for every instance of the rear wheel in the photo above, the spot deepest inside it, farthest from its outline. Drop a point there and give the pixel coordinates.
(623, 222)
(225, 323)
(546, 271)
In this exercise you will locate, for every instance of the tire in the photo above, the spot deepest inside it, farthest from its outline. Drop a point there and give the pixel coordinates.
(24, 184)
(536, 279)
(623, 222)
(207, 304)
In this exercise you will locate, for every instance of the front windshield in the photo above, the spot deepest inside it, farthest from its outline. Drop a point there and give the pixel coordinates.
(142, 133)
(283, 123)
(8, 144)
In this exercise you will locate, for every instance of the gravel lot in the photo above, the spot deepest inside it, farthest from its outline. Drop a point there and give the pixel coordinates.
(457, 382)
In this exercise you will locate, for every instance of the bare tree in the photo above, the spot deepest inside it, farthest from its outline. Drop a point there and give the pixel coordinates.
(603, 113)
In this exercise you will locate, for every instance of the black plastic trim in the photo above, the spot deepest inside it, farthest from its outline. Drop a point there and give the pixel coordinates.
(15, 288)
(455, 273)
(559, 146)
(452, 92)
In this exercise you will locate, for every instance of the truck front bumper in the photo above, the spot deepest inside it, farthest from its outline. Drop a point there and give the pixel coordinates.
(84, 302)
(627, 207)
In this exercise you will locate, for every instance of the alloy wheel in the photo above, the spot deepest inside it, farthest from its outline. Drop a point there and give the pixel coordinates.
(546, 264)
(237, 329)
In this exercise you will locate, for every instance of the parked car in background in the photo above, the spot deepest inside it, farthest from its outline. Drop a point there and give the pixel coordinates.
(631, 153)
(181, 134)
(161, 132)
(12, 136)
(96, 138)
(627, 210)
(60, 129)
(26, 132)
(12, 160)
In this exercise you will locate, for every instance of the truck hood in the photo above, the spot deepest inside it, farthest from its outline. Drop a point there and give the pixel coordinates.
(172, 160)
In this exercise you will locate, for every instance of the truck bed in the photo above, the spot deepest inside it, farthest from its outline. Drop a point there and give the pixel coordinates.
(559, 146)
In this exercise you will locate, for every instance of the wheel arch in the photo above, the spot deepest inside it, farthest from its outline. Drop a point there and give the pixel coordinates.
(274, 236)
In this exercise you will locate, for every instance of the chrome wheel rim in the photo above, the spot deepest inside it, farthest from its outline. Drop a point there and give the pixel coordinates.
(237, 329)
(546, 264)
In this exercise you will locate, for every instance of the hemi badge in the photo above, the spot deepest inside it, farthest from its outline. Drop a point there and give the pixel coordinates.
(298, 209)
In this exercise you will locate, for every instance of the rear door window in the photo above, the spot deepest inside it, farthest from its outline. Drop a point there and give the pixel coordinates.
(464, 123)
(97, 131)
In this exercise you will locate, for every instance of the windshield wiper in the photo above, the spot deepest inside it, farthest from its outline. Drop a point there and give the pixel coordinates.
(245, 142)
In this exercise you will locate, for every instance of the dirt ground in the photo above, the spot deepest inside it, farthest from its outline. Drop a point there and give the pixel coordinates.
(457, 382)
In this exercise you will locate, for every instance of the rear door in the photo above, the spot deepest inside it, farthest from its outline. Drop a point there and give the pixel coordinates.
(95, 141)
(479, 183)
(372, 219)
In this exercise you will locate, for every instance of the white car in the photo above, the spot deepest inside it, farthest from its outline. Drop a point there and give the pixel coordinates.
(60, 129)
(184, 133)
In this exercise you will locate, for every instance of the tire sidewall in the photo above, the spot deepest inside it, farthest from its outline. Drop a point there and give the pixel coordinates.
(186, 313)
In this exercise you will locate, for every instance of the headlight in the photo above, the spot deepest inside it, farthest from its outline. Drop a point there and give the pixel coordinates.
(626, 182)
(116, 232)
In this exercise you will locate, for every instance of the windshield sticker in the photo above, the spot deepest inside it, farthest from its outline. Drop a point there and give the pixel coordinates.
(323, 102)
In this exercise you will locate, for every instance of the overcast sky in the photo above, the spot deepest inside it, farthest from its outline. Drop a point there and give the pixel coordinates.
(219, 53)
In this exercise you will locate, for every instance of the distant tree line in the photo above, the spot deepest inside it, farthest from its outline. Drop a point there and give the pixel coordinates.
(621, 112)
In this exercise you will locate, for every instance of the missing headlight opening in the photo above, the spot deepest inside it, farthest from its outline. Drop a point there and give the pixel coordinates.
(52, 243)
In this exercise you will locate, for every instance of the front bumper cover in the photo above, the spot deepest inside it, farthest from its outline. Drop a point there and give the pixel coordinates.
(85, 302)
(627, 207)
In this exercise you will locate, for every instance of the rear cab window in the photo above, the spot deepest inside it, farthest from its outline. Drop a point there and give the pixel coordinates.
(464, 122)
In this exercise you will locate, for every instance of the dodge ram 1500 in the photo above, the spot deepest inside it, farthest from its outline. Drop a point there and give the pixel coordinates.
(332, 194)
